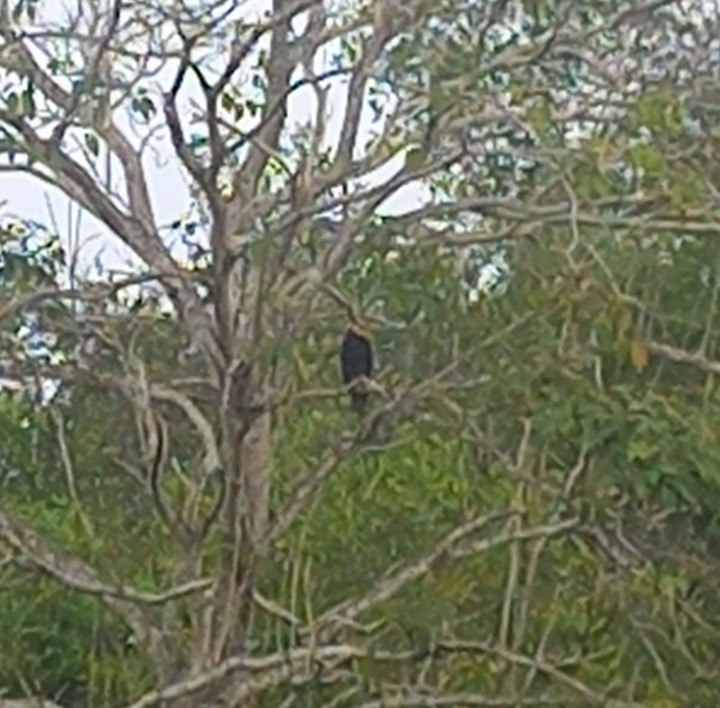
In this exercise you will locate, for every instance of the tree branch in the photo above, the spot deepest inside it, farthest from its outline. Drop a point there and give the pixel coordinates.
(77, 575)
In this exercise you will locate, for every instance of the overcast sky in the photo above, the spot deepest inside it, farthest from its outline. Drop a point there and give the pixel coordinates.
(29, 199)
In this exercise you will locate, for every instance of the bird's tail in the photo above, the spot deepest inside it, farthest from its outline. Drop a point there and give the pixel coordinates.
(358, 401)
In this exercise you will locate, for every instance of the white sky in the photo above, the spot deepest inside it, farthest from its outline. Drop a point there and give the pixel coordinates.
(27, 198)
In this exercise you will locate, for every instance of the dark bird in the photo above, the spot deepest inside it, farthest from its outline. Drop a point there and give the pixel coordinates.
(356, 361)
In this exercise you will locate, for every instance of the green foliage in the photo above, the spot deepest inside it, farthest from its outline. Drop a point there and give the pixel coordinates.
(651, 434)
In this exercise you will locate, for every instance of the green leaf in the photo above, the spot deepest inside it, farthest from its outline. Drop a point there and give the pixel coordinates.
(144, 106)
(227, 102)
(414, 158)
(647, 158)
(92, 144)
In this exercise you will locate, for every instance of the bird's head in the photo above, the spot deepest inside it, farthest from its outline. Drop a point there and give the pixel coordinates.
(359, 329)
(357, 324)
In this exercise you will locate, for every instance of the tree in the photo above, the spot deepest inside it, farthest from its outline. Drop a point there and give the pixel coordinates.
(549, 141)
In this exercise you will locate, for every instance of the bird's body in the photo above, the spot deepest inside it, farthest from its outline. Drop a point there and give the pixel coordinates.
(356, 361)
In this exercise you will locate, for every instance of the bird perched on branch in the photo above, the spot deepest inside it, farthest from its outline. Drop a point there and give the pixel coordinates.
(356, 362)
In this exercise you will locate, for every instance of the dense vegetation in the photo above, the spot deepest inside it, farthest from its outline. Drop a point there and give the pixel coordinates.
(527, 513)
